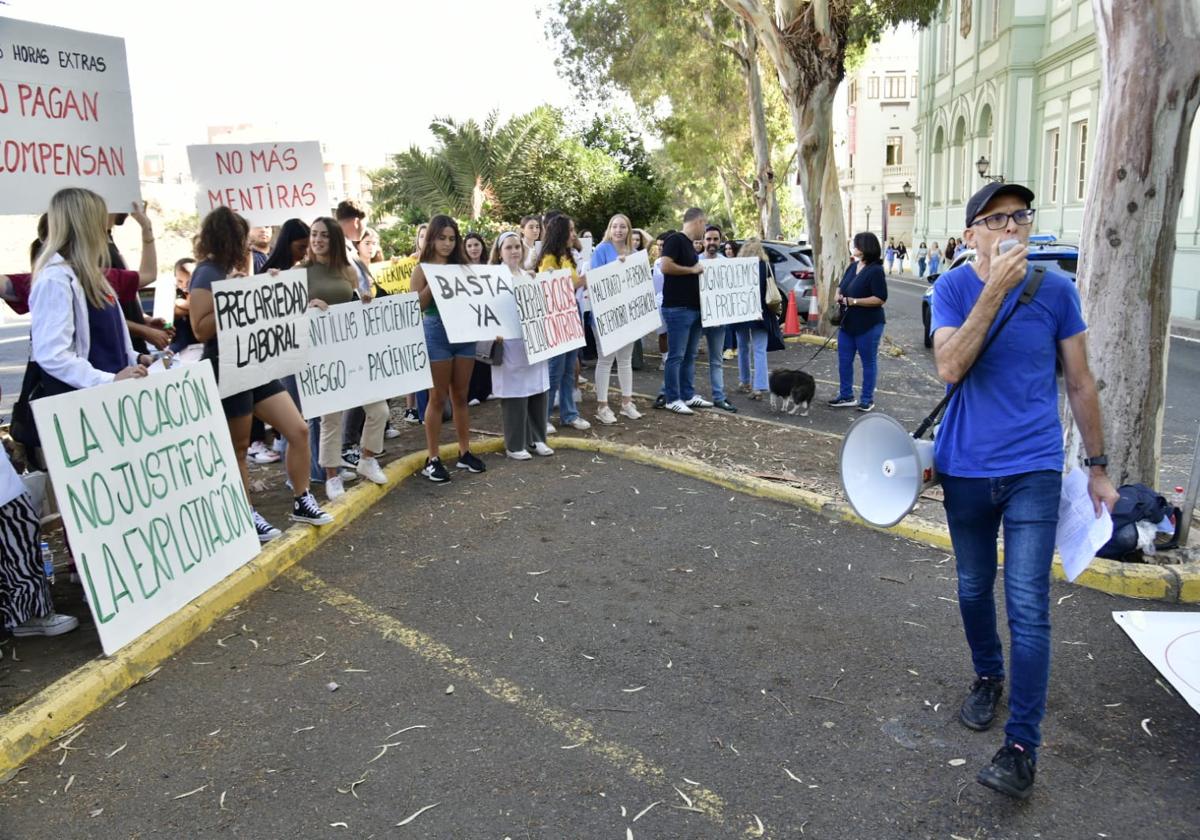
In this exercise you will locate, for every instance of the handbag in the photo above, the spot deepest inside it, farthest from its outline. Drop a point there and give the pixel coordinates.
(835, 314)
(775, 340)
(489, 352)
(35, 385)
(774, 298)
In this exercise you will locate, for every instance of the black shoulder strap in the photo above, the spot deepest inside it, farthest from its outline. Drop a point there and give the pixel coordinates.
(1027, 295)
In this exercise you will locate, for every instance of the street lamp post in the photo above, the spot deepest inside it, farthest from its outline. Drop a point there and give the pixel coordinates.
(868, 209)
(982, 165)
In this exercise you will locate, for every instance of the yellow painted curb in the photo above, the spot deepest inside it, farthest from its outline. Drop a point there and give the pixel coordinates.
(1173, 584)
(39, 720)
(808, 338)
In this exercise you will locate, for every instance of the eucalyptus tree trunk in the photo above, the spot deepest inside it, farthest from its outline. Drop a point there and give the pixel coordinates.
(769, 222)
(1150, 87)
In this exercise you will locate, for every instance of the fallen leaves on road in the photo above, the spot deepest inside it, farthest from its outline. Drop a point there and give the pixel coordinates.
(416, 814)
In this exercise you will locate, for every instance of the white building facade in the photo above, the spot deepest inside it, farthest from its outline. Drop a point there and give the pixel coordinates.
(1016, 84)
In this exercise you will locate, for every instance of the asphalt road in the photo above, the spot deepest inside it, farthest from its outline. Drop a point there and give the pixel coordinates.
(551, 649)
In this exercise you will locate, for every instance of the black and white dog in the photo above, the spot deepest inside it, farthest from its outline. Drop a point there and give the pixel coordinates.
(793, 388)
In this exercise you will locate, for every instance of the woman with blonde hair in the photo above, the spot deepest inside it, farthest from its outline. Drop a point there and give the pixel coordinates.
(752, 335)
(615, 246)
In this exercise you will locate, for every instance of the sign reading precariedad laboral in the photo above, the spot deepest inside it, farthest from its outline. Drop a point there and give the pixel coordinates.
(475, 302)
(150, 494)
(549, 314)
(623, 304)
(262, 329)
(268, 183)
(361, 353)
(394, 277)
(729, 292)
(66, 117)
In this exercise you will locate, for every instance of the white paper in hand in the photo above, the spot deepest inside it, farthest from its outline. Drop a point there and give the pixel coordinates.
(1080, 532)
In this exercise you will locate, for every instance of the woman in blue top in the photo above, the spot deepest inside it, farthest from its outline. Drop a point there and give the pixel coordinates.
(862, 293)
(615, 246)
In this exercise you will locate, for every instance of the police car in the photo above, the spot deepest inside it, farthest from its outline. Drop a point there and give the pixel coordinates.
(1042, 246)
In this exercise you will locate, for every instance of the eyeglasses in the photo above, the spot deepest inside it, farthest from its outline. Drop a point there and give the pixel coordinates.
(999, 221)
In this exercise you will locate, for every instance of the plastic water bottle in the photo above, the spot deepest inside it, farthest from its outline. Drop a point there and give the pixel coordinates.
(48, 562)
(1177, 498)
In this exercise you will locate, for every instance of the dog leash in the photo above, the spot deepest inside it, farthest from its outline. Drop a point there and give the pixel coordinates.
(828, 341)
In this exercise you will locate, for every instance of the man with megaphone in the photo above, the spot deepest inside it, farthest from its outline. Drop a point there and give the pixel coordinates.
(999, 454)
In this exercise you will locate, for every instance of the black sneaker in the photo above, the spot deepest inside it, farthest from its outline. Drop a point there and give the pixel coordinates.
(979, 709)
(265, 530)
(411, 416)
(660, 401)
(842, 402)
(726, 405)
(467, 461)
(865, 407)
(306, 509)
(350, 457)
(1011, 772)
(435, 470)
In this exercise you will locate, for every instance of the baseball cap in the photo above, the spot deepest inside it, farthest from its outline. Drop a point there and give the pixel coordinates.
(982, 198)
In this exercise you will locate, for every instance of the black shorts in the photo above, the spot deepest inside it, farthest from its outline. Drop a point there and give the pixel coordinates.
(242, 405)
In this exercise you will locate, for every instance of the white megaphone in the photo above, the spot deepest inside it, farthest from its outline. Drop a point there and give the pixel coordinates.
(885, 469)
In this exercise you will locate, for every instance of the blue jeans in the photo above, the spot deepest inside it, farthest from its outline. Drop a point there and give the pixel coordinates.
(316, 473)
(752, 340)
(866, 347)
(683, 340)
(562, 381)
(1027, 504)
(715, 336)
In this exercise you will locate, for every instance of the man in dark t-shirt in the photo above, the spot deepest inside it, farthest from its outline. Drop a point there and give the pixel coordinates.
(681, 270)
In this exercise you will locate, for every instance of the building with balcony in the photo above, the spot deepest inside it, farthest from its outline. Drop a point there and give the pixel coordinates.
(874, 144)
(1011, 89)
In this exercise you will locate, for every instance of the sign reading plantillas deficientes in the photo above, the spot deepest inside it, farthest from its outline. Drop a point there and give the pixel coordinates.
(623, 304)
(475, 302)
(549, 314)
(150, 492)
(262, 330)
(268, 183)
(66, 117)
(729, 292)
(361, 353)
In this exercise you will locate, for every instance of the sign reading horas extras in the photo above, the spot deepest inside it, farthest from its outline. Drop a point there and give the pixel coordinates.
(475, 302)
(549, 314)
(729, 291)
(150, 493)
(262, 329)
(66, 117)
(268, 183)
(623, 305)
(362, 353)
(395, 277)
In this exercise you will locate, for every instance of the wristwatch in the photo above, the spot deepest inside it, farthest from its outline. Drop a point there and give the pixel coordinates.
(1098, 461)
(851, 301)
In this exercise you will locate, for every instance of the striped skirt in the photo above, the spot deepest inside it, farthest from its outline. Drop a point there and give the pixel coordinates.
(24, 590)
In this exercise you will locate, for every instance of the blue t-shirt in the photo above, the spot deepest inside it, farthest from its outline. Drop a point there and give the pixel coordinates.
(604, 254)
(1004, 419)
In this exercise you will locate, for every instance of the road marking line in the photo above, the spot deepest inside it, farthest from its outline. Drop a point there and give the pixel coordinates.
(575, 730)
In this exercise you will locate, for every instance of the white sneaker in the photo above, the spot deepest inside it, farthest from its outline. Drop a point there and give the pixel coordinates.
(519, 456)
(474, 401)
(550, 429)
(369, 469)
(580, 424)
(347, 475)
(630, 410)
(259, 453)
(605, 415)
(280, 445)
(679, 407)
(391, 434)
(577, 395)
(542, 449)
(698, 401)
(334, 488)
(48, 625)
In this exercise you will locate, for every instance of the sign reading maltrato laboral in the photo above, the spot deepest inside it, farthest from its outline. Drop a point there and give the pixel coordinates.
(361, 353)
(549, 314)
(623, 304)
(475, 302)
(729, 292)
(262, 329)
(268, 183)
(150, 493)
(66, 117)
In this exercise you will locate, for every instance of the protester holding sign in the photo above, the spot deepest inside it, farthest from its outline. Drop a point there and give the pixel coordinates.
(222, 251)
(331, 280)
(616, 245)
(451, 364)
(520, 384)
(531, 234)
(752, 334)
(556, 254)
(681, 270)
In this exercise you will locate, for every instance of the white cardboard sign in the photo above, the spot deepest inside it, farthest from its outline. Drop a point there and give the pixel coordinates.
(475, 302)
(362, 353)
(549, 314)
(729, 292)
(66, 117)
(150, 493)
(1171, 641)
(262, 328)
(164, 297)
(267, 183)
(624, 307)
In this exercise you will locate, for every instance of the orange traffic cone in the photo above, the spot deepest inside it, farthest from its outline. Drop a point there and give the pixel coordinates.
(814, 311)
(791, 324)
